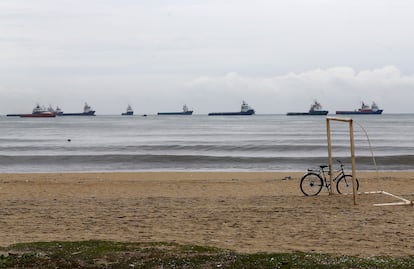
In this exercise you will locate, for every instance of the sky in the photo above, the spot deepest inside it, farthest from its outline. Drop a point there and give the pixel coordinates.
(277, 55)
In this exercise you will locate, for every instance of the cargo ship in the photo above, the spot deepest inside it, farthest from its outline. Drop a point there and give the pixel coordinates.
(57, 111)
(245, 110)
(363, 110)
(87, 111)
(129, 111)
(37, 112)
(185, 111)
(315, 110)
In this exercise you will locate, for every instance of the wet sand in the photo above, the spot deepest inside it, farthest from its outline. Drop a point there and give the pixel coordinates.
(246, 212)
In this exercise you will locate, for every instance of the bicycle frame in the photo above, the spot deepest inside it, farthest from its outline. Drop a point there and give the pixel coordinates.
(323, 173)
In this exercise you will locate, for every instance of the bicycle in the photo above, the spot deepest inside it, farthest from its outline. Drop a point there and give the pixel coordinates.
(313, 181)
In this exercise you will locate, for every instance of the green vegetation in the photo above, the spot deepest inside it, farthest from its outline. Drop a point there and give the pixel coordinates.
(105, 254)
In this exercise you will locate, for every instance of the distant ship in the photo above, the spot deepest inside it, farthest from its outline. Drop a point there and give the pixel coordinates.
(245, 110)
(38, 112)
(364, 110)
(57, 111)
(315, 110)
(87, 111)
(185, 111)
(129, 111)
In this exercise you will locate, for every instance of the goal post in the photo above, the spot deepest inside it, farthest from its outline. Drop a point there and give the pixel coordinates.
(352, 147)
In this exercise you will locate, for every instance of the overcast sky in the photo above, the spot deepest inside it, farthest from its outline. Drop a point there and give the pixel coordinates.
(157, 55)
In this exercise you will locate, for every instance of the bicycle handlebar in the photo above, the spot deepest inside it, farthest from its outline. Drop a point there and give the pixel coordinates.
(339, 161)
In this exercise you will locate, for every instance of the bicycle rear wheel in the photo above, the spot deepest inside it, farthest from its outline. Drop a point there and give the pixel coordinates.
(344, 185)
(311, 184)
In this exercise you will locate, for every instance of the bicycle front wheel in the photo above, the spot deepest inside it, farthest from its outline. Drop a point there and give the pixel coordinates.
(311, 184)
(344, 185)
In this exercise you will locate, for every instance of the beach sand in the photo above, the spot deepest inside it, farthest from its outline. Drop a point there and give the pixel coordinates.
(246, 212)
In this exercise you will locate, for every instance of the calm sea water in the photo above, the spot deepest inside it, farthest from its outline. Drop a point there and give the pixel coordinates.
(199, 143)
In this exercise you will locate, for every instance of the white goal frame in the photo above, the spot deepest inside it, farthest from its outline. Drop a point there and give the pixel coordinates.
(351, 141)
(352, 145)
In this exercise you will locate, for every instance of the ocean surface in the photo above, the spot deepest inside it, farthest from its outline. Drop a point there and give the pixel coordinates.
(201, 143)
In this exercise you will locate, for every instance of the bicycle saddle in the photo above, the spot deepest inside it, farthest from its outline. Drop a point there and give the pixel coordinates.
(323, 166)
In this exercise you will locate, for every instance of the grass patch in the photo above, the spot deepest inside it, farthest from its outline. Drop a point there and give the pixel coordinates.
(107, 254)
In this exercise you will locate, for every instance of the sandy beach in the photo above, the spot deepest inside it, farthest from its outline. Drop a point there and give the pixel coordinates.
(245, 212)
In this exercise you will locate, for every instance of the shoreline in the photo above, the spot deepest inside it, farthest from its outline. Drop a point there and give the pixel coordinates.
(347, 170)
(244, 211)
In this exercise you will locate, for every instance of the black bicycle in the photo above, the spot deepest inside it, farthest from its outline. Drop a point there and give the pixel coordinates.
(314, 180)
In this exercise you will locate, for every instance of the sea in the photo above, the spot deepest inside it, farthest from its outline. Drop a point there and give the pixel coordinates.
(202, 143)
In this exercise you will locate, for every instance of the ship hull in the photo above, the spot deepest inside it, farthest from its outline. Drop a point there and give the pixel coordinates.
(128, 113)
(175, 113)
(40, 115)
(246, 113)
(90, 113)
(376, 112)
(312, 113)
